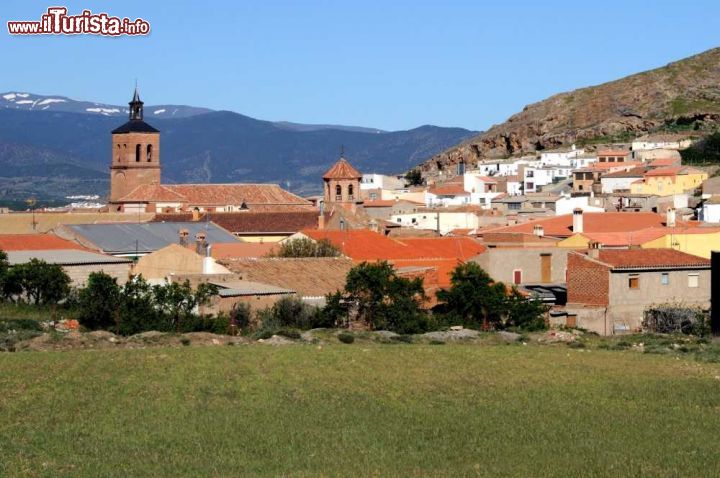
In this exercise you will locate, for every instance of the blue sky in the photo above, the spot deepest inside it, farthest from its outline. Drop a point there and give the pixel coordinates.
(390, 64)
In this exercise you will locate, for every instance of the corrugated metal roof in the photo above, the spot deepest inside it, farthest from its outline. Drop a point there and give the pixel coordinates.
(65, 257)
(144, 237)
(244, 287)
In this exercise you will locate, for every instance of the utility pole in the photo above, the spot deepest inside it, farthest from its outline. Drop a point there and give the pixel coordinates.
(32, 202)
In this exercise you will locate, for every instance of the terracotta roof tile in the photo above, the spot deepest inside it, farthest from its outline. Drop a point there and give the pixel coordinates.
(36, 242)
(593, 222)
(664, 162)
(613, 152)
(226, 194)
(251, 222)
(647, 258)
(153, 193)
(342, 170)
(316, 276)
(449, 189)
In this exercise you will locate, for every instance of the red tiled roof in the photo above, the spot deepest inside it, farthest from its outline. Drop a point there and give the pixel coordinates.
(449, 189)
(613, 152)
(619, 239)
(226, 194)
(242, 250)
(646, 258)
(673, 171)
(251, 222)
(561, 226)
(153, 193)
(216, 194)
(35, 242)
(619, 166)
(662, 162)
(342, 170)
(443, 253)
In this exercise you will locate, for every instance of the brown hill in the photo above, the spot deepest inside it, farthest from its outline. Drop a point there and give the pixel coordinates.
(683, 94)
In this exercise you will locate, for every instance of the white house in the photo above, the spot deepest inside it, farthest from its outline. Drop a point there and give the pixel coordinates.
(661, 141)
(380, 181)
(562, 157)
(438, 220)
(710, 210)
(566, 205)
(582, 161)
(448, 194)
(620, 181)
(496, 168)
(536, 177)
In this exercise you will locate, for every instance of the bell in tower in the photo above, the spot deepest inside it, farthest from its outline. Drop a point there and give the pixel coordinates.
(135, 154)
(136, 106)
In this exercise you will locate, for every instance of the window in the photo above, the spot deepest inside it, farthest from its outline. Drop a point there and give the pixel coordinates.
(665, 278)
(338, 193)
(514, 206)
(149, 153)
(373, 196)
(634, 281)
(693, 280)
(350, 192)
(137, 153)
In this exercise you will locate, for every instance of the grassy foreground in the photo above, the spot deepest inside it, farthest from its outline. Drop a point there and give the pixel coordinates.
(357, 410)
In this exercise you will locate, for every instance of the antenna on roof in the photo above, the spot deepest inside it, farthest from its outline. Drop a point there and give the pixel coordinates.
(342, 150)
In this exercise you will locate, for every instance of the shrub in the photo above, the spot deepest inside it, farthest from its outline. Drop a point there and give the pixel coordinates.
(346, 337)
(289, 333)
(99, 302)
(406, 339)
(303, 247)
(39, 282)
(185, 341)
(673, 318)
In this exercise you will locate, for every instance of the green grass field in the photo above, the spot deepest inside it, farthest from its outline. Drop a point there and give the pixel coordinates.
(358, 410)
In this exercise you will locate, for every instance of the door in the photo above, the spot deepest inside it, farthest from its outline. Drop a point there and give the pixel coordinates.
(546, 268)
(517, 277)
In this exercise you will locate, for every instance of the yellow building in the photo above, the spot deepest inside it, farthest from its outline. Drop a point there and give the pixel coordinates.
(669, 181)
(698, 241)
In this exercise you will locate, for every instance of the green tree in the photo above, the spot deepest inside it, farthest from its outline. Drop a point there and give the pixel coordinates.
(414, 177)
(99, 302)
(177, 301)
(304, 247)
(473, 298)
(523, 312)
(385, 301)
(42, 283)
(137, 308)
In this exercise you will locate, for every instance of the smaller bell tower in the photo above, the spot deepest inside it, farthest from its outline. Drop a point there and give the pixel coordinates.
(135, 154)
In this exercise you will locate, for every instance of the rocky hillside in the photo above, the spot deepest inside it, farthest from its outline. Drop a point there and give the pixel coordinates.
(683, 94)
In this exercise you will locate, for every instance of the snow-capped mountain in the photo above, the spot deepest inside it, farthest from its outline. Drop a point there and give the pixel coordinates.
(33, 102)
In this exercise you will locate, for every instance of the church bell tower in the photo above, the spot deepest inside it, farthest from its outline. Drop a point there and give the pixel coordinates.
(135, 154)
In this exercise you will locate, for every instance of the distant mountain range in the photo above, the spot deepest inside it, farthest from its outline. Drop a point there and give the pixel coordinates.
(52, 146)
(683, 95)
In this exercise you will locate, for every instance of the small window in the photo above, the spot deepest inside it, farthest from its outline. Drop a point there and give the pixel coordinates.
(665, 278)
(634, 281)
(693, 280)
(137, 153)
(148, 153)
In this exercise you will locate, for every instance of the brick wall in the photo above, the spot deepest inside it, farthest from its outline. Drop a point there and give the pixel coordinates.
(587, 281)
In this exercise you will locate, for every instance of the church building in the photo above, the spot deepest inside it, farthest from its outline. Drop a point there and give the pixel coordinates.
(136, 186)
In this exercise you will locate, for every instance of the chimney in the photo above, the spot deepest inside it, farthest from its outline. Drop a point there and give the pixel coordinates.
(577, 220)
(200, 243)
(671, 217)
(208, 261)
(321, 221)
(594, 249)
(538, 230)
(184, 233)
